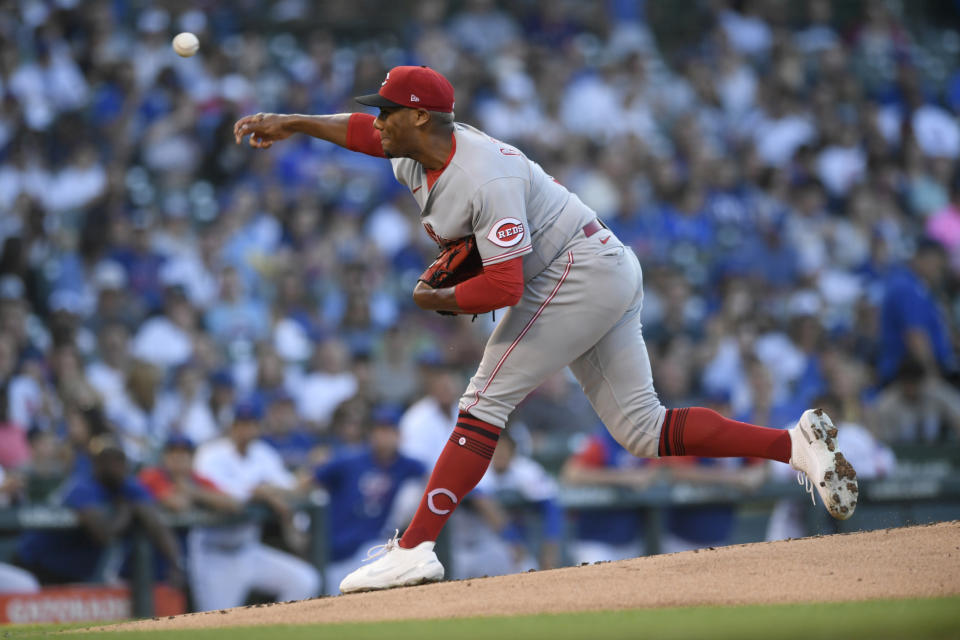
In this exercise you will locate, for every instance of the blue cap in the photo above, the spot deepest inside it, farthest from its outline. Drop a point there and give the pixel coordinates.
(248, 409)
(386, 415)
(179, 441)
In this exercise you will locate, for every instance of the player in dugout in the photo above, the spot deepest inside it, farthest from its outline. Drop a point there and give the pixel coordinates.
(108, 501)
(575, 293)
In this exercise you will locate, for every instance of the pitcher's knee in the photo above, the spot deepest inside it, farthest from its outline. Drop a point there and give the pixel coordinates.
(483, 407)
(639, 430)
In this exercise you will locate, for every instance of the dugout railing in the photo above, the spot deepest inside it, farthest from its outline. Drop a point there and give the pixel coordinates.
(933, 495)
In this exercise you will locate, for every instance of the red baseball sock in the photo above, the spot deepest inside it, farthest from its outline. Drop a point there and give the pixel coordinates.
(703, 432)
(462, 463)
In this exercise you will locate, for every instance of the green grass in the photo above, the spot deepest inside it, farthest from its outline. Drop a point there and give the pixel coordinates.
(877, 619)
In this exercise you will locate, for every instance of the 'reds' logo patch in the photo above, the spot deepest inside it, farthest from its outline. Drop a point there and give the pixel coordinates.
(506, 232)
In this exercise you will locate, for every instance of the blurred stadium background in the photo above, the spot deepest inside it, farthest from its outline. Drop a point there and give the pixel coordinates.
(786, 171)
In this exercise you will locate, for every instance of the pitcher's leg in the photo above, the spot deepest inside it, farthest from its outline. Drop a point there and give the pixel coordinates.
(616, 376)
(554, 322)
(459, 468)
(697, 431)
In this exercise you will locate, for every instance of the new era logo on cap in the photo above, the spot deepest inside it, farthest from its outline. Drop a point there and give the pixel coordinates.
(413, 87)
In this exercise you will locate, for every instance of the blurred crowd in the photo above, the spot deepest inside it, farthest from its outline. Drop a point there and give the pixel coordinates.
(787, 173)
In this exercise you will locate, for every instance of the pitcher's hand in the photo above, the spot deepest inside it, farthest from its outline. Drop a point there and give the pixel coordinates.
(263, 128)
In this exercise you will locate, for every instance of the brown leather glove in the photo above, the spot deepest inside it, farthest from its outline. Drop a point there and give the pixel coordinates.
(458, 261)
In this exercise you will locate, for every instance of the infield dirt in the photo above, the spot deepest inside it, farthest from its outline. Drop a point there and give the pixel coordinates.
(910, 562)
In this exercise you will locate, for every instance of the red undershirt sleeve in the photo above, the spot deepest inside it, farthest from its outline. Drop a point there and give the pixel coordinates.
(362, 137)
(500, 285)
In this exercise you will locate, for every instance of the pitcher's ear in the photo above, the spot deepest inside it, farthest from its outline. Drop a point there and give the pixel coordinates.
(421, 118)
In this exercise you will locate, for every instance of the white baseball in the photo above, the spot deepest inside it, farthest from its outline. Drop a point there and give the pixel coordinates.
(186, 44)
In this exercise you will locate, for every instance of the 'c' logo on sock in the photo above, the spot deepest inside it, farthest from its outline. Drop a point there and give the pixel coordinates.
(444, 492)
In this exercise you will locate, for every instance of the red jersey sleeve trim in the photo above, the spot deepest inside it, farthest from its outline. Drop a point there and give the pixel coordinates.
(509, 254)
(362, 137)
(499, 285)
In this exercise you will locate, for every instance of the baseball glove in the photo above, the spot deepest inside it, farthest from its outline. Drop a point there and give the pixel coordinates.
(458, 261)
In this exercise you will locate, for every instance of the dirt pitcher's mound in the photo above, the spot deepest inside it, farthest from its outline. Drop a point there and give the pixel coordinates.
(893, 563)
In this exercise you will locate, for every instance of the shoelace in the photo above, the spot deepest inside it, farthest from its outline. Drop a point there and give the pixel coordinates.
(803, 479)
(378, 550)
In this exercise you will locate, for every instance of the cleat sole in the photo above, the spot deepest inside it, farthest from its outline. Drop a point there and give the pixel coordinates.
(839, 480)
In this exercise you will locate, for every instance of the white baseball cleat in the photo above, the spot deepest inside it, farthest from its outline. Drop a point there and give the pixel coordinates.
(814, 453)
(395, 567)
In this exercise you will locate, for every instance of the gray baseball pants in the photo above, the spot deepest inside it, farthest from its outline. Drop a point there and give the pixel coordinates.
(583, 310)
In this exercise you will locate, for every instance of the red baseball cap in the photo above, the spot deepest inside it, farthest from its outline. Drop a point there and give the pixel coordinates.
(412, 87)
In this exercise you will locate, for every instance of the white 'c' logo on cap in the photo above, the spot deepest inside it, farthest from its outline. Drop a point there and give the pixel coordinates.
(385, 79)
(443, 492)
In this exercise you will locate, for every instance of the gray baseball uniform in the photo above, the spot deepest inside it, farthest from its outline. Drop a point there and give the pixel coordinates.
(583, 288)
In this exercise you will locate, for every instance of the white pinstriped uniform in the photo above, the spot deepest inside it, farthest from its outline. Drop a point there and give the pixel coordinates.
(582, 296)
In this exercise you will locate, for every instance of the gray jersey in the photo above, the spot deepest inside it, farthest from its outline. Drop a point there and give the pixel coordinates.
(493, 191)
(582, 297)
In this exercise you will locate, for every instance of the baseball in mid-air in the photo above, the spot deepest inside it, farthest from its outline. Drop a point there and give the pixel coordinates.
(185, 44)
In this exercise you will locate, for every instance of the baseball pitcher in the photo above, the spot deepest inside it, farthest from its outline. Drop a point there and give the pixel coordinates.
(574, 293)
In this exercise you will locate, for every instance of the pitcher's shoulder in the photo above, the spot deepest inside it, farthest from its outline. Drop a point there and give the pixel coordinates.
(485, 158)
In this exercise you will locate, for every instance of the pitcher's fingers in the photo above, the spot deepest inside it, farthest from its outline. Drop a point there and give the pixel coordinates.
(239, 124)
(236, 131)
(242, 130)
(258, 142)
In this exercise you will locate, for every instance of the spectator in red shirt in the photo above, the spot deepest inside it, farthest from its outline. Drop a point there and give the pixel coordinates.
(177, 487)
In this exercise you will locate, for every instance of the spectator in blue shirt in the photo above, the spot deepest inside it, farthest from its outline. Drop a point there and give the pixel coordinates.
(284, 431)
(912, 323)
(108, 502)
(370, 490)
